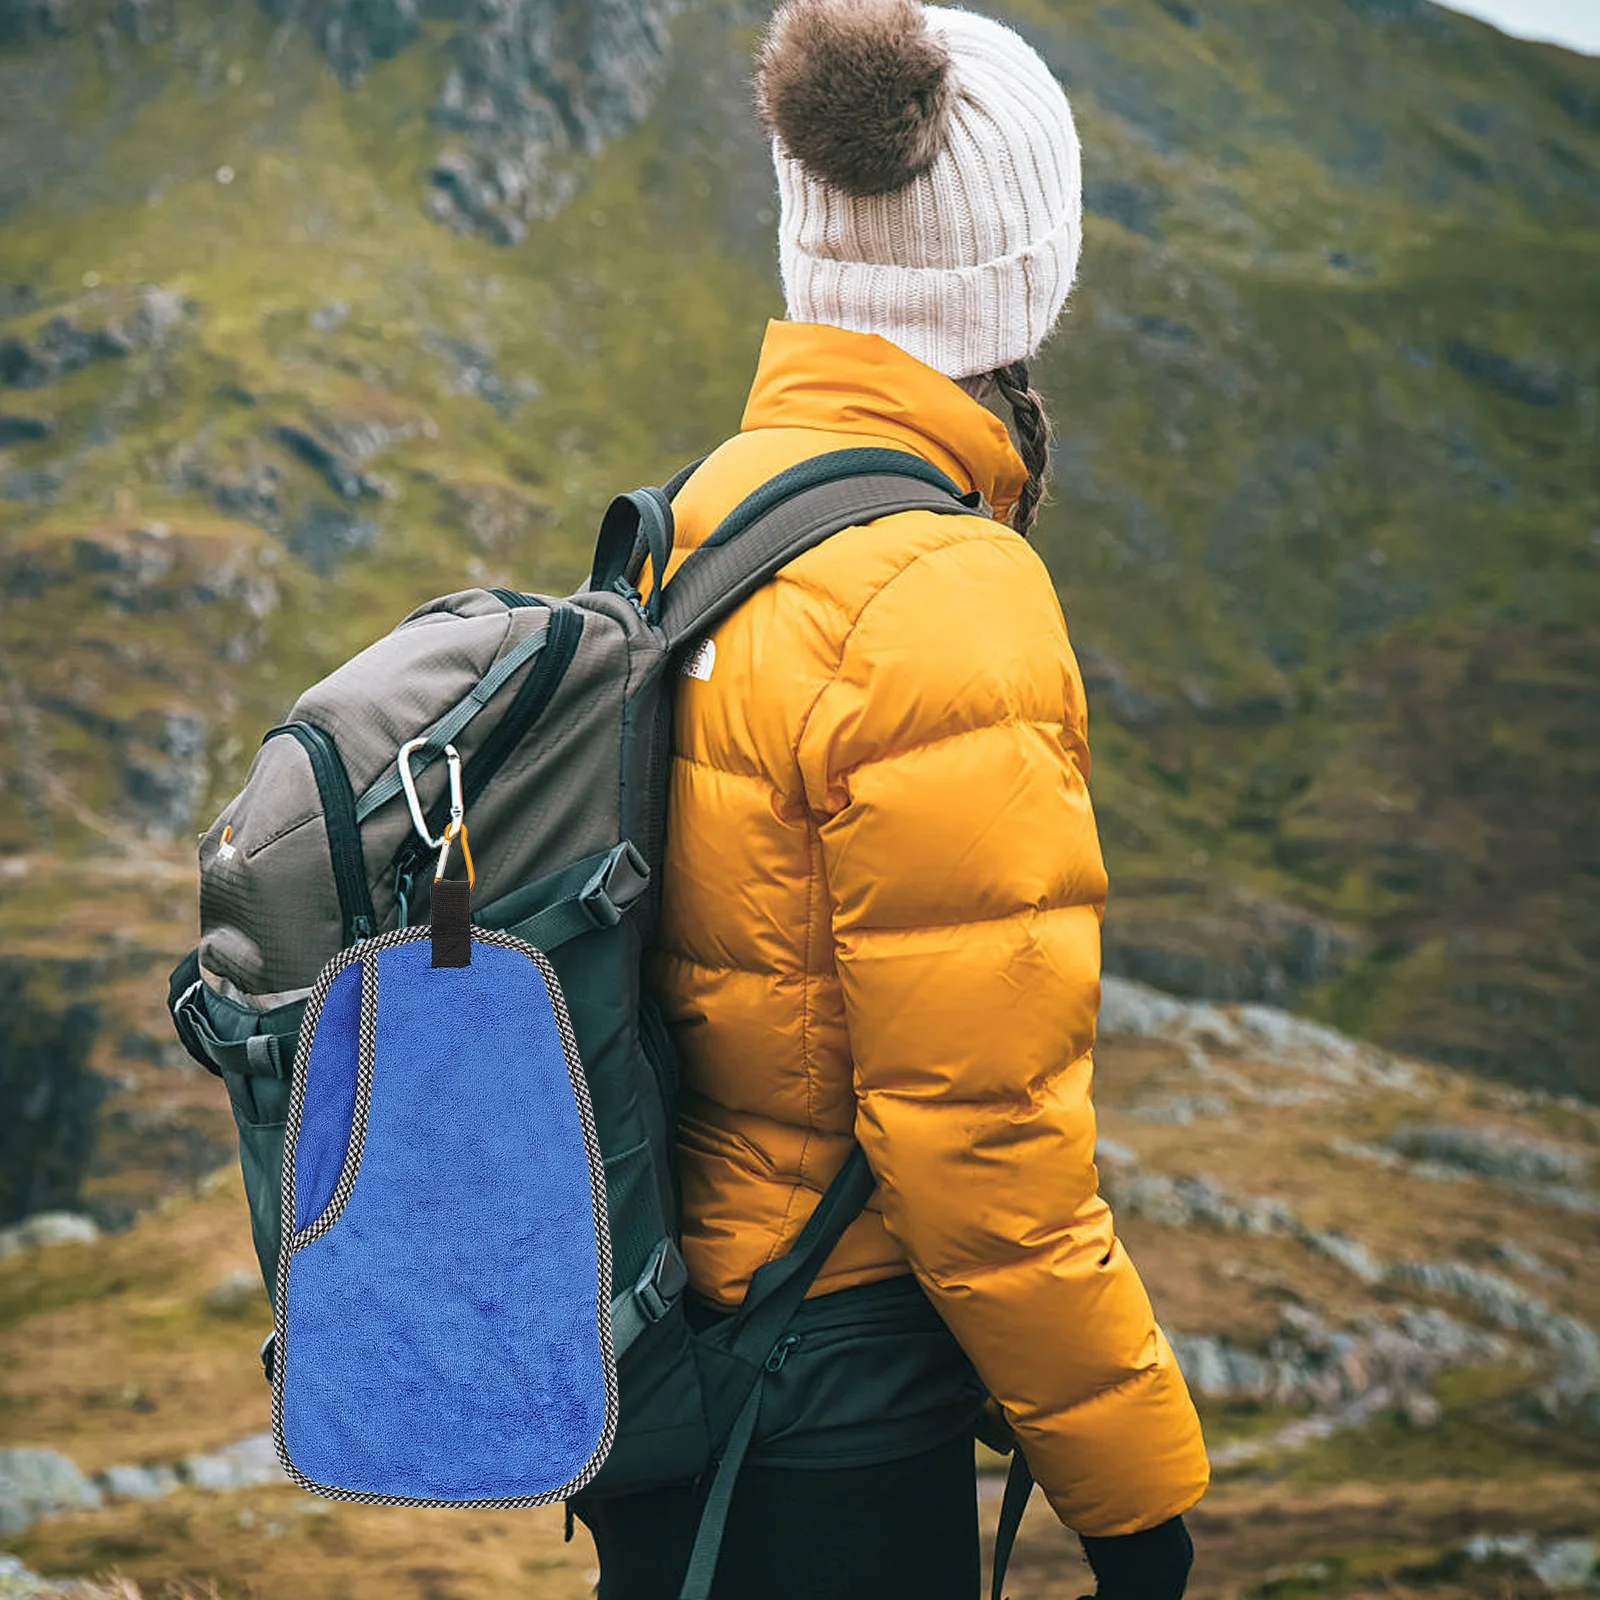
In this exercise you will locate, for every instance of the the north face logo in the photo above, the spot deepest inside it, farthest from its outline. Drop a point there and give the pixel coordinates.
(699, 665)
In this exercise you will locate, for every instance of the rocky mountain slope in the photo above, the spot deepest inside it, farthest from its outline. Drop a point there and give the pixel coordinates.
(1383, 1280)
(309, 308)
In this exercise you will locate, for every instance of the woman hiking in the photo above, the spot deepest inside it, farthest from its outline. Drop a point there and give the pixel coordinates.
(883, 884)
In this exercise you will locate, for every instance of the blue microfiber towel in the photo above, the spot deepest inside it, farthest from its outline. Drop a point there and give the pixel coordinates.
(443, 1326)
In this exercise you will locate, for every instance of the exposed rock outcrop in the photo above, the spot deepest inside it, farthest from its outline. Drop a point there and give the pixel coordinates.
(1529, 385)
(1570, 1389)
(1234, 946)
(352, 34)
(70, 340)
(532, 84)
(325, 535)
(17, 1582)
(1261, 1032)
(239, 1294)
(164, 775)
(48, 1095)
(37, 1483)
(1491, 1153)
(15, 430)
(333, 460)
(46, 1228)
(1449, 1155)
(473, 372)
(1310, 1363)
(24, 20)
(1561, 1565)
(1194, 1202)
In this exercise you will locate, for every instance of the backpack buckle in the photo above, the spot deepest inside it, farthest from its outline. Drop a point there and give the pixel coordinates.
(663, 1280)
(617, 882)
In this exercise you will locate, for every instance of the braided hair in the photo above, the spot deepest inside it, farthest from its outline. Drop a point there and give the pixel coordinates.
(1032, 427)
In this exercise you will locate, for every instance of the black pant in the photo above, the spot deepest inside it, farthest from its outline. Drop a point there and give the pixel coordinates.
(853, 1533)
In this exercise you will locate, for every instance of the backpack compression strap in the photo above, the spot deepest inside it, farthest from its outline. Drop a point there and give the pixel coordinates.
(789, 515)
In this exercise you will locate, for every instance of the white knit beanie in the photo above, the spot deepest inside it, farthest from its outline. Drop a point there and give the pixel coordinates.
(929, 178)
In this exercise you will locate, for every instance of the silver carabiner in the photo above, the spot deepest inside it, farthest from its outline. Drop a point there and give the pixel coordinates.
(456, 828)
(408, 783)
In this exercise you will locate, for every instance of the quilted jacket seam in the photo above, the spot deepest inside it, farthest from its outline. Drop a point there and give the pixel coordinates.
(800, 580)
(1032, 1089)
(805, 1052)
(918, 745)
(727, 772)
(683, 958)
(975, 922)
(1106, 1391)
(849, 634)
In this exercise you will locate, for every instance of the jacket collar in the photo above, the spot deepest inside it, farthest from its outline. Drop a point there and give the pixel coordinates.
(811, 375)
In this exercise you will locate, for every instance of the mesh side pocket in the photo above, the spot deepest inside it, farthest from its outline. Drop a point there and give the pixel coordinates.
(633, 1206)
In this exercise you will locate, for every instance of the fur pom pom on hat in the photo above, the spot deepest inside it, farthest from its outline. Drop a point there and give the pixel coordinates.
(929, 178)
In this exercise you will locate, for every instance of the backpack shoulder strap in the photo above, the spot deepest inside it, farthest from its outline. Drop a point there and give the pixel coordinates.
(684, 473)
(789, 515)
(775, 1292)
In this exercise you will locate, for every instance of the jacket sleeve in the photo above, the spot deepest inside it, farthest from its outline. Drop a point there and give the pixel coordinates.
(946, 763)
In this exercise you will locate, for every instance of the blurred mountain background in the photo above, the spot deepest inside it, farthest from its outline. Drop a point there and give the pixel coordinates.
(310, 309)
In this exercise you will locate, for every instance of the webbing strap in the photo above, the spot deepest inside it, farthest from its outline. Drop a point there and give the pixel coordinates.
(684, 473)
(627, 1322)
(647, 1301)
(833, 466)
(715, 579)
(639, 519)
(592, 893)
(702, 1569)
(1019, 1485)
(455, 719)
(777, 1288)
(556, 925)
(634, 529)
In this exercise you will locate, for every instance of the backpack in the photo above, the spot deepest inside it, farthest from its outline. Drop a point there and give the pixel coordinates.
(561, 711)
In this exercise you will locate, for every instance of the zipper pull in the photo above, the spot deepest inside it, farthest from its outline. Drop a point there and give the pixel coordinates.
(631, 594)
(404, 877)
(780, 1351)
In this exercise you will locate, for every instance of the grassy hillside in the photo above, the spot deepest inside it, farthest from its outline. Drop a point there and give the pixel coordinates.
(1325, 516)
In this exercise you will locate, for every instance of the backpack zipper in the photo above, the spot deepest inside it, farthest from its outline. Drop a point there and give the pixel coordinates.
(339, 818)
(780, 1352)
(561, 644)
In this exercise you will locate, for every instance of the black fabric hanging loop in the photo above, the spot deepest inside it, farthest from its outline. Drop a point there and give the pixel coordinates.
(451, 913)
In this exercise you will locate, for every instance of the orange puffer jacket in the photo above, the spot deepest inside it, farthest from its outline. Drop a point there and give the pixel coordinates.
(881, 920)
